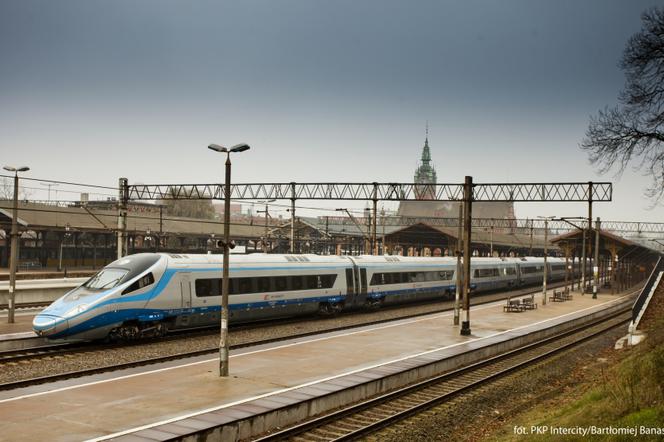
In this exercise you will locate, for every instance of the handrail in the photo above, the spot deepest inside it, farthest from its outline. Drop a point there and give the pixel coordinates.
(645, 292)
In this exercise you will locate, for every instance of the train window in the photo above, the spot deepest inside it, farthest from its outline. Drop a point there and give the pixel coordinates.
(311, 282)
(233, 286)
(263, 284)
(280, 283)
(486, 273)
(419, 277)
(296, 282)
(376, 279)
(430, 276)
(105, 279)
(208, 287)
(510, 271)
(143, 281)
(245, 285)
(445, 275)
(327, 281)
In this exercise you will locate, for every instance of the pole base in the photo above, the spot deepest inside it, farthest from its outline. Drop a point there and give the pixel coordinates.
(465, 328)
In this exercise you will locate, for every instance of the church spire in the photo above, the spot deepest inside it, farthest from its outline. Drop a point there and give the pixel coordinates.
(425, 174)
(426, 153)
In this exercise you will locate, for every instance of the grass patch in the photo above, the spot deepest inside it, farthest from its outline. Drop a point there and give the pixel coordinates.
(628, 393)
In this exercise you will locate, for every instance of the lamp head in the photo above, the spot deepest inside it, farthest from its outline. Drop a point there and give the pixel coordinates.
(240, 147)
(16, 169)
(217, 148)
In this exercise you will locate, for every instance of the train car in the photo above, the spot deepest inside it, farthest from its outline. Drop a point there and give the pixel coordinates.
(557, 269)
(396, 279)
(148, 294)
(490, 274)
(530, 270)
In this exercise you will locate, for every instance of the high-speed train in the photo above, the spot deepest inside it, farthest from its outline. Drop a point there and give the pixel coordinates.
(148, 294)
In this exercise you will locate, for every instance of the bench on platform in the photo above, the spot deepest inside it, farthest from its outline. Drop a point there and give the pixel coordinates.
(528, 304)
(558, 296)
(513, 305)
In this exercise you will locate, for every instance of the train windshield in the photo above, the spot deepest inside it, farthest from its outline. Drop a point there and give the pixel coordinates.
(106, 279)
(122, 270)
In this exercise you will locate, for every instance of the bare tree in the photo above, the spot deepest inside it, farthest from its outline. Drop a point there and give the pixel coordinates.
(7, 190)
(634, 130)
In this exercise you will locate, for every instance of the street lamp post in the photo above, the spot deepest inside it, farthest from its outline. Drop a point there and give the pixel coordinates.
(14, 243)
(62, 241)
(223, 340)
(583, 246)
(266, 215)
(546, 252)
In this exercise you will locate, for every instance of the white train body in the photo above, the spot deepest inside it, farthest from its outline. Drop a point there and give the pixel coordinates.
(150, 293)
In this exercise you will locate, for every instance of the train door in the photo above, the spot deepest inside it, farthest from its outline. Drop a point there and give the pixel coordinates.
(184, 318)
(356, 278)
(350, 287)
(185, 291)
(361, 298)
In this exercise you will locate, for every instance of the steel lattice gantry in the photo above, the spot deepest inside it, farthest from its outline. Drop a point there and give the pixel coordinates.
(515, 192)
(507, 224)
(468, 192)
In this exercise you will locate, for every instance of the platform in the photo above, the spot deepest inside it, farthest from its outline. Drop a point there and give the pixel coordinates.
(119, 404)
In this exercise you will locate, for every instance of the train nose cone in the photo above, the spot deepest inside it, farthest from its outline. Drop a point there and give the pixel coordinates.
(46, 325)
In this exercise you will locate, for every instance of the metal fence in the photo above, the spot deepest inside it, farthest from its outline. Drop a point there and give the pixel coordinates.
(645, 292)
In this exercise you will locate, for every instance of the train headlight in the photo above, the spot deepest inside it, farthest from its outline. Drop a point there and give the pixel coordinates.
(76, 310)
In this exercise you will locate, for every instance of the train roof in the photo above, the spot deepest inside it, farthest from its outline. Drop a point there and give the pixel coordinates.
(373, 259)
(265, 258)
(254, 258)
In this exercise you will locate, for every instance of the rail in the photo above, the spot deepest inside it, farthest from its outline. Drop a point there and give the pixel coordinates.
(368, 417)
(646, 292)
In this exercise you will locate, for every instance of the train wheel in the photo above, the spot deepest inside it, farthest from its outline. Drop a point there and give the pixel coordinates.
(161, 329)
(375, 304)
(324, 309)
(329, 309)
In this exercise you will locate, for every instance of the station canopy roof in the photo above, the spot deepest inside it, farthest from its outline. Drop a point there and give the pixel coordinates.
(36, 216)
(480, 236)
(609, 243)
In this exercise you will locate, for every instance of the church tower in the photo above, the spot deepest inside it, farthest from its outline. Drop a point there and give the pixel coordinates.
(425, 180)
(425, 174)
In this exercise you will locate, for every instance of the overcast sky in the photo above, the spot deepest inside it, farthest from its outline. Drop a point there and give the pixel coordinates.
(334, 91)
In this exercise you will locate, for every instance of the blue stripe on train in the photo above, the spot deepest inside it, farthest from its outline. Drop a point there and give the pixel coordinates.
(148, 315)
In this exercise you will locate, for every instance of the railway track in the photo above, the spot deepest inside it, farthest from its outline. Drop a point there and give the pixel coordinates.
(25, 306)
(360, 420)
(114, 352)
